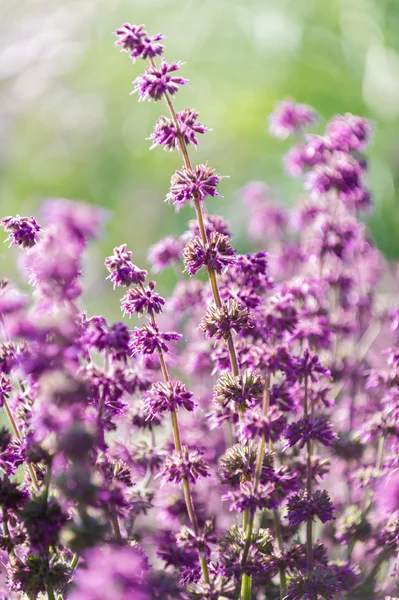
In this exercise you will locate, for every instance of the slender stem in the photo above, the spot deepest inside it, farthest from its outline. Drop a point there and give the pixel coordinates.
(249, 520)
(178, 446)
(116, 528)
(74, 562)
(277, 526)
(380, 453)
(50, 593)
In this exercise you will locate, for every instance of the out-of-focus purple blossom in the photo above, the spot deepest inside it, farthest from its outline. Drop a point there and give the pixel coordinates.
(122, 271)
(315, 151)
(80, 220)
(193, 184)
(134, 40)
(162, 397)
(165, 252)
(140, 300)
(348, 133)
(166, 133)
(157, 81)
(112, 573)
(301, 508)
(11, 300)
(344, 176)
(54, 263)
(113, 339)
(23, 231)
(187, 296)
(289, 118)
(148, 339)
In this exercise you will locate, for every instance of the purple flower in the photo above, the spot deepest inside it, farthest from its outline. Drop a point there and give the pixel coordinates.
(112, 573)
(187, 185)
(211, 223)
(148, 339)
(308, 428)
(243, 390)
(219, 322)
(348, 133)
(162, 397)
(246, 498)
(54, 263)
(43, 521)
(5, 388)
(12, 497)
(23, 231)
(166, 133)
(269, 426)
(217, 255)
(164, 253)
(11, 300)
(12, 453)
(114, 339)
(122, 271)
(322, 582)
(289, 118)
(136, 41)
(82, 221)
(140, 300)
(157, 81)
(342, 174)
(301, 508)
(308, 366)
(185, 465)
(315, 151)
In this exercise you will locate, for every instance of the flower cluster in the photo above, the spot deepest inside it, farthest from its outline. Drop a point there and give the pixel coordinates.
(242, 441)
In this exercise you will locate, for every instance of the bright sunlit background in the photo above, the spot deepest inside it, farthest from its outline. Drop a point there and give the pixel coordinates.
(69, 128)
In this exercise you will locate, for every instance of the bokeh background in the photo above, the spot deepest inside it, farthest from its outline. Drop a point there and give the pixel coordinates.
(69, 128)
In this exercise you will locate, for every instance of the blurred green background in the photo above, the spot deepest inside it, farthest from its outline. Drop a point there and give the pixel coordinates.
(69, 128)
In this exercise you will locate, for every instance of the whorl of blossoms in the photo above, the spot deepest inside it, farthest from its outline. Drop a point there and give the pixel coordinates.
(167, 133)
(189, 184)
(255, 458)
(155, 82)
(122, 271)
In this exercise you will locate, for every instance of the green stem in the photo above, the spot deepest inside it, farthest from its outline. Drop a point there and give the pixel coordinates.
(178, 447)
(50, 593)
(249, 518)
(116, 528)
(74, 562)
(277, 526)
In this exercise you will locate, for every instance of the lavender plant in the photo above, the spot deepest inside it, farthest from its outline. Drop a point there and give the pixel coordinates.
(242, 443)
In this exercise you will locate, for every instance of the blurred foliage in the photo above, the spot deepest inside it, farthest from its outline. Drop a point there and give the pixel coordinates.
(69, 128)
